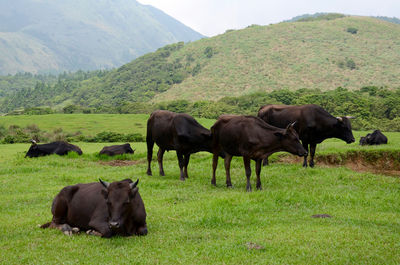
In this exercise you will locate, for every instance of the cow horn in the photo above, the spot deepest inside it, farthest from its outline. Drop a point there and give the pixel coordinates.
(133, 185)
(339, 118)
(350, 117)
(293, 123)
(33, 141)
(104, 183)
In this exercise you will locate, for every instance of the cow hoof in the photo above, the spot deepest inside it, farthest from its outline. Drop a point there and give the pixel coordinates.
(259, 188)
(149, 173)
(182, 178)
(162, 174)
(75, 230)
(142, 231)
(229, 186)
(92, 232)
(68, 233)
(311, 164)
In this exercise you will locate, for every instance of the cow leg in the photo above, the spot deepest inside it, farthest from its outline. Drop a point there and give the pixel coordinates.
(150, 145)
(100, 228)
(247, 168)
(181, 163)
(214, 166)
(305, 145)
(186, 159)
(227, 162)
(312, 153)
(258, 171)
(265, 161)
(160, 156)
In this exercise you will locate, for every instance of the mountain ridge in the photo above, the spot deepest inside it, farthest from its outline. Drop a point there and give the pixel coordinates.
(82, 35)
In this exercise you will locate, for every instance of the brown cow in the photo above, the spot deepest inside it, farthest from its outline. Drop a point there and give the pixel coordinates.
(251, 138)
(175, 131)
(100, 208)
(314, 124)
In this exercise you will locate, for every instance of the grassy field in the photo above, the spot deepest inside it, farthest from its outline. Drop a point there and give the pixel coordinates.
(193, 222)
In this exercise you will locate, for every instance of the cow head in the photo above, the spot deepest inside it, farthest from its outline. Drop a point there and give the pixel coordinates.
(343, 129)
(120, 197)
(128, 148)
(290, 141)
(33, 150)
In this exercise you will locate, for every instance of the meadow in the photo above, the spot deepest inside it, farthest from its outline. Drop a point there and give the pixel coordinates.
(193, 222)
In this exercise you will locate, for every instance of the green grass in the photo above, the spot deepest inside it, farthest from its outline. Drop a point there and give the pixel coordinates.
(193, 222)
(88, 124)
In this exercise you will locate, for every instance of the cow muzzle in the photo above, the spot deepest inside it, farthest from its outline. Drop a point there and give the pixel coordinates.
(114, 225)
(352, 140)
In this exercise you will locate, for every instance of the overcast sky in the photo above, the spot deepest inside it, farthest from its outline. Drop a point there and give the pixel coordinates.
(212, 17)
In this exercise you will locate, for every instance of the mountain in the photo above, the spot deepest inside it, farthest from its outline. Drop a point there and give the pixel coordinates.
(350, 52)
(41, 36)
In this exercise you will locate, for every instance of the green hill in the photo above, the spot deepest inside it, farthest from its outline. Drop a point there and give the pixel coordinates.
(55, 35)
(350, 52)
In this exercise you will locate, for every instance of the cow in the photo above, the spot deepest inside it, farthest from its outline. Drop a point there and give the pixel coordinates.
(179, 132)
(100, 208)
(251, 138)
(60, 148)
(314, 124)
(117, 150)
(374, 138)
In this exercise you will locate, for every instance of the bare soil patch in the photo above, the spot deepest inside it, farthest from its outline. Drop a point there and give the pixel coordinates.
(386, 164)
(120, 163)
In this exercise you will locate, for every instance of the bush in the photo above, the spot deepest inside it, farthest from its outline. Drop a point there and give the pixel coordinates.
(352, 30)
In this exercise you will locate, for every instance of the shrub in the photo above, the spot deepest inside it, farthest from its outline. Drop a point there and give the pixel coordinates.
(352, 30)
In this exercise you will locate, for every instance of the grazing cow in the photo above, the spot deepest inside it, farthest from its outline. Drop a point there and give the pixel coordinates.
(117, 150)
(60, 148)
(100, 208)
(251, 138)
(374, 138)
(175, 131)
(314, 124)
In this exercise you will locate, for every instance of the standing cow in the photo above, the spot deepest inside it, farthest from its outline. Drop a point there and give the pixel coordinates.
(175, 131)
(60, 148)
(251, 138)
(314, 124)
(100, 208)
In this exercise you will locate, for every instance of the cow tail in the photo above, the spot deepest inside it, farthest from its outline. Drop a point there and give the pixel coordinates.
(46, 225)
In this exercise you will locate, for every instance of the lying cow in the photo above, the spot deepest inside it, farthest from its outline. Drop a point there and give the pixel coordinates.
(374, 138)
(100, 208)
(117, 150)
(251, 138)
(314, 124)
(175, 131)
(60, 148)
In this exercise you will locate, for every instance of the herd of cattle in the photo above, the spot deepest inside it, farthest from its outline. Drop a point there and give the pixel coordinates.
(107, 209)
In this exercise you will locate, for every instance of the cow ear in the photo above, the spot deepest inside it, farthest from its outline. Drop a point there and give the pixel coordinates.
(133, 192)
(279, 135)
(33, 142)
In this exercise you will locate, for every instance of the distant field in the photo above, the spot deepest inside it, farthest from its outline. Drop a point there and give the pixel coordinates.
(88, 124)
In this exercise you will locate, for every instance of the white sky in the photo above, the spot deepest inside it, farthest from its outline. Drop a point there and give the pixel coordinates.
(212, 17)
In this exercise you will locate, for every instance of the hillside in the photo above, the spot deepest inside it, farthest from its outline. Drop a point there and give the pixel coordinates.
(55, 35)
(350, 52)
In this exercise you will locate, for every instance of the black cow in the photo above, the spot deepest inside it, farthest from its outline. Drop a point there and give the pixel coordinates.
(175, 131)
(314, 124)
(100, 208)
(251, 138)
(374, 138)
(117, 150)
(60, 148)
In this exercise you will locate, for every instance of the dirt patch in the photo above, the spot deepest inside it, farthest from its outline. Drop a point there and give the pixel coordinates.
(120, 163)
(386, 163)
